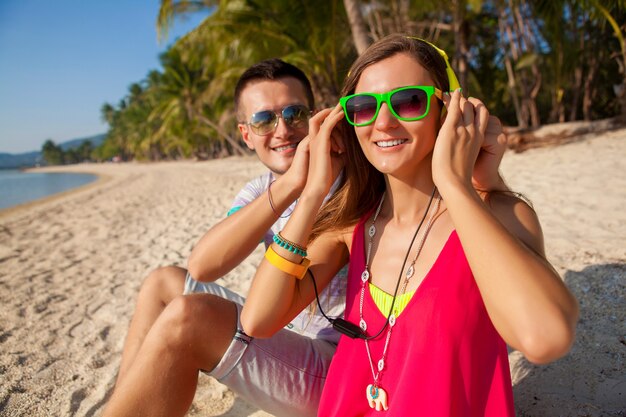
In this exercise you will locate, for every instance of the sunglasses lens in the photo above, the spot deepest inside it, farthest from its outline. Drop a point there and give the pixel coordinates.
(361, 109)
(296, 116)
(410, 103)
(262, 122)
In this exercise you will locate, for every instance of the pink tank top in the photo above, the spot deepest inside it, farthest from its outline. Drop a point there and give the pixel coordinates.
(444, 358)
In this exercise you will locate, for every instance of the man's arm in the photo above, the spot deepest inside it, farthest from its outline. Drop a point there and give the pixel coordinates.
(230, 241)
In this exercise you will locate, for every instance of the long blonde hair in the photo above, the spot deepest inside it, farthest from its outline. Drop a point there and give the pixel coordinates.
(363, 185)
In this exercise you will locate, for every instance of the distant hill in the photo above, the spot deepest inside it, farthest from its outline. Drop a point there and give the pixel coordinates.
(20, 160)
(95, 140)
(30, 159)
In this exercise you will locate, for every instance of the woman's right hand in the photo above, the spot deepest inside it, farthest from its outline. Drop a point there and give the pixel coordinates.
(326, 149)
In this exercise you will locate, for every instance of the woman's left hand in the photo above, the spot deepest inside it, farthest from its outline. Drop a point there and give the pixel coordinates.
(325, 151)
(485, 175)
(459, 142)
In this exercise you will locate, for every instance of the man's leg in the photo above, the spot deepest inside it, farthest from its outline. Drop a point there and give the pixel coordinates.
(160, 287)
(192, 333)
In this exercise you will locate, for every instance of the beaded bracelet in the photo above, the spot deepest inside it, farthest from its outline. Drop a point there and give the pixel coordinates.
(287, 266)
(289, 245)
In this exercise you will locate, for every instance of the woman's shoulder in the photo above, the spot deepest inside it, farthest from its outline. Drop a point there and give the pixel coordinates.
(517, 214)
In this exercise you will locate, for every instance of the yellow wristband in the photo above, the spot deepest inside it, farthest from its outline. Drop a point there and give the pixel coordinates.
(288, 267)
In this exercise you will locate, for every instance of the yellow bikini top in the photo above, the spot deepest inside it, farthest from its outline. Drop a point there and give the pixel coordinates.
(383, 300)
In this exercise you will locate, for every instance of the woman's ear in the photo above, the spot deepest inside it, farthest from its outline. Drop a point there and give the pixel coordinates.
(444, 108)
(442, 119)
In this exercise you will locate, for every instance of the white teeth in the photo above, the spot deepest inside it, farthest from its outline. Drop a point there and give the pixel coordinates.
(282, 148)
(389, 143)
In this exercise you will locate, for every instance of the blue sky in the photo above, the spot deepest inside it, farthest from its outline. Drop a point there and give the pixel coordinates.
(60, 61)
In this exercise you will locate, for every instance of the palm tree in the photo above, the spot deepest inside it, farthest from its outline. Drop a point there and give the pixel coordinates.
(169, 9)
(300, 32)
(546, 51)
(52, 153)
(181, 89)
(607, 11)
(358, 27)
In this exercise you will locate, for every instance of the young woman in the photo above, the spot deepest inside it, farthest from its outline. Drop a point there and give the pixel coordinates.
(442, 276)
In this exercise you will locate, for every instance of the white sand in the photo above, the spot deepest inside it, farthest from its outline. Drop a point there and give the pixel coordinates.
(71, 267)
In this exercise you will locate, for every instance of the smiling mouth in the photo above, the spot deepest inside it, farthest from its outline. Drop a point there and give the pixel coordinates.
(390, 143)
(285, 147)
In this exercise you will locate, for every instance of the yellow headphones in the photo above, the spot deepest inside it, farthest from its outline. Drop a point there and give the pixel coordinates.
(452, 80)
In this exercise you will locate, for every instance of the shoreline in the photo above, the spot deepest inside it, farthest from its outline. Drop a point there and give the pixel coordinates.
(23, 207)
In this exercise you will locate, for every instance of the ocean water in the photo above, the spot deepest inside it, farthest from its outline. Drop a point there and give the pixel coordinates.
(18, 187)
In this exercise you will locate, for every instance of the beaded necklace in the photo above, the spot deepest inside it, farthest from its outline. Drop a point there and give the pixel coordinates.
(376, 395)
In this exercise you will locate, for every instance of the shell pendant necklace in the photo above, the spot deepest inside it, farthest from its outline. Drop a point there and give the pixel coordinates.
(376, 396)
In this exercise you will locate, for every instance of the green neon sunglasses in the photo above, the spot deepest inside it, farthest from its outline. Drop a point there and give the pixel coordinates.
(406, 104)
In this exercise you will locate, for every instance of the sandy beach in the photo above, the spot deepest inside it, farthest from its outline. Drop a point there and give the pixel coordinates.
(71, 267)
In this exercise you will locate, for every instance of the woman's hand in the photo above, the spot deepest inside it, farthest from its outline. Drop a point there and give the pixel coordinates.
(299, 169)
(486, 176)
(325, 152)
(469, 147)
(458, 143)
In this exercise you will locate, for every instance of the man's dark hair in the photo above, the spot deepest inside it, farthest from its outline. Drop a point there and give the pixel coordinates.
(272, 69)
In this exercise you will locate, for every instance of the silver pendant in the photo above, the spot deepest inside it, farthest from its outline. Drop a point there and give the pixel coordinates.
(363, 325)
(365, 276)
(409, 272)
(372, 231)
(392, 320)
(381, 365)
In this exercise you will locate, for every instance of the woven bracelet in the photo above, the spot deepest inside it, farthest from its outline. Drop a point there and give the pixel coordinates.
(289, 245)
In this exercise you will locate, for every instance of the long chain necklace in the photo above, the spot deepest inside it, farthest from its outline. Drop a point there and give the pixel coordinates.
(376, 395)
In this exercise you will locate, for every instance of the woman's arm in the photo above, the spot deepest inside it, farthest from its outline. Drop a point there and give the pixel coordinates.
(526, 299)
(275, 296)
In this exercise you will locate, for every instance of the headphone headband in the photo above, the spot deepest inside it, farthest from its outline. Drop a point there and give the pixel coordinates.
(452, 80)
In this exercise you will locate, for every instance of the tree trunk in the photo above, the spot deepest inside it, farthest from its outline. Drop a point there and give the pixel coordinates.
(461, 50)
(531, 83)
(588, 92)
(578, 83)
(578, 71)
(237, 148)
(357, 25)
(621, 95)
(505, 32)
(535, 119)
(403, 14)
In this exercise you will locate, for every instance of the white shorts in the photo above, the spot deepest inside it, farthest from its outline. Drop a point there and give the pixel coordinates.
(283, 375)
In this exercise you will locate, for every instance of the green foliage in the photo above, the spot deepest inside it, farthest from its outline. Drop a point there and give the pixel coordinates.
(55, 155)
(567, 58)
(527, 60)
(52, 153)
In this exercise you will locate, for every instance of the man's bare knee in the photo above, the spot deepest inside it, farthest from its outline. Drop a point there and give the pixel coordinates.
(164, 283)
(201, 325)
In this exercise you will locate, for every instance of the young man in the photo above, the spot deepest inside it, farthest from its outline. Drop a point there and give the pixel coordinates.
(171, 337)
